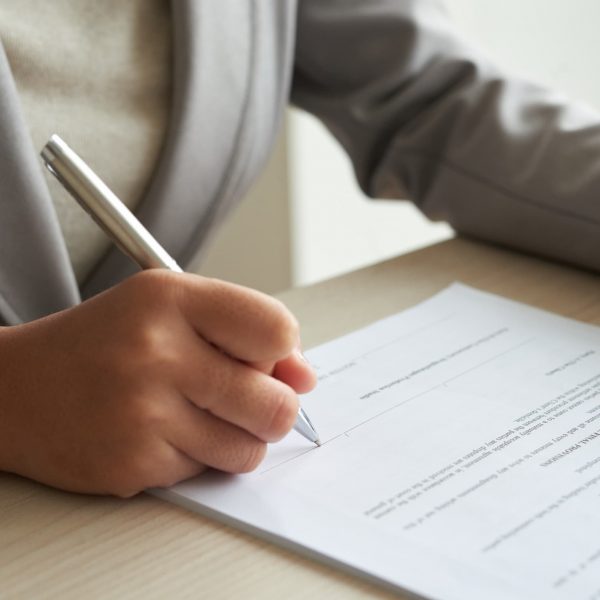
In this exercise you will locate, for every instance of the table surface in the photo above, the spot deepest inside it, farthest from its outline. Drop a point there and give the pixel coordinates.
(60, 545)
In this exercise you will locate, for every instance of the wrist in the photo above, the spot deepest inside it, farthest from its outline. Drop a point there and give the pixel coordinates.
(9, 397)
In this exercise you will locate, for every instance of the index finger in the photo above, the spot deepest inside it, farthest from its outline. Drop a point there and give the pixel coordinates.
(244, 323)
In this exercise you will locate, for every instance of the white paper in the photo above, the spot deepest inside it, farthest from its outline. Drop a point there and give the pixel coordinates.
(461, 455)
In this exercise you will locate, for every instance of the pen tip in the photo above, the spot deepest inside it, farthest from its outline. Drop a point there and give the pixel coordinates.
(318, 442)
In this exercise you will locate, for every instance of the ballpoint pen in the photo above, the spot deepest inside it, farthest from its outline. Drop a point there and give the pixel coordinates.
(121, 225)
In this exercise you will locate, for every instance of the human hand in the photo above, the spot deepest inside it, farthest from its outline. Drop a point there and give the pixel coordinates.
(149, 383)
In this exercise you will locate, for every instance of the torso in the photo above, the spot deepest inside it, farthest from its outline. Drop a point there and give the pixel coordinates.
(99, 75)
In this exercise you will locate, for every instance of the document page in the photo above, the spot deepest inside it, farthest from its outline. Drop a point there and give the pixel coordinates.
(460, 456)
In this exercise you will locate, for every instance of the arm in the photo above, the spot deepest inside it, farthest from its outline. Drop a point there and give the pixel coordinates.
(422, 114)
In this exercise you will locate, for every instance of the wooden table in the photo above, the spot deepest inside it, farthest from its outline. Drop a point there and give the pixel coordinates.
(59, 545)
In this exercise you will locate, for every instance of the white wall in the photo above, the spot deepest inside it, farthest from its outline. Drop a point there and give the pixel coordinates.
(253, 247)
(554, 42)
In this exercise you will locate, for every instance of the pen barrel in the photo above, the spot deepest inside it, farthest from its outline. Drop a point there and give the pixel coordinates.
(96, 198)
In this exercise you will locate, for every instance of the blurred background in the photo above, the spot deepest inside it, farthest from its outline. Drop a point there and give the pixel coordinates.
(306, 219)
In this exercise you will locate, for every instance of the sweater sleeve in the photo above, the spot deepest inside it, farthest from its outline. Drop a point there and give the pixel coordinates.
(424, 115)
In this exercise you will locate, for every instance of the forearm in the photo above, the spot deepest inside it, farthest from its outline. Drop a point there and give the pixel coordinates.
(424, 115)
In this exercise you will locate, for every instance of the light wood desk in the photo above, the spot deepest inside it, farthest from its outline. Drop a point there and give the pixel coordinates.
(58, 545)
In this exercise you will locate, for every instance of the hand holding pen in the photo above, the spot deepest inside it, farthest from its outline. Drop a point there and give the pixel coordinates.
(120, 225)
(149, 383)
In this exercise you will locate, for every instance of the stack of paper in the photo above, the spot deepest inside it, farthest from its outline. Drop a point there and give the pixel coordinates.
(461, 455)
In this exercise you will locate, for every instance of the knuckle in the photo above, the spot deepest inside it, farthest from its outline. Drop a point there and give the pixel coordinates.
(152, 282)
(149, 337)
(150, 415)
(152, 349)
(150, 294)
(141, 413)
(284, 409)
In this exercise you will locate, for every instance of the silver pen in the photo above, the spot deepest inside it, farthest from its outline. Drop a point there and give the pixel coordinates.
(121, 226)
